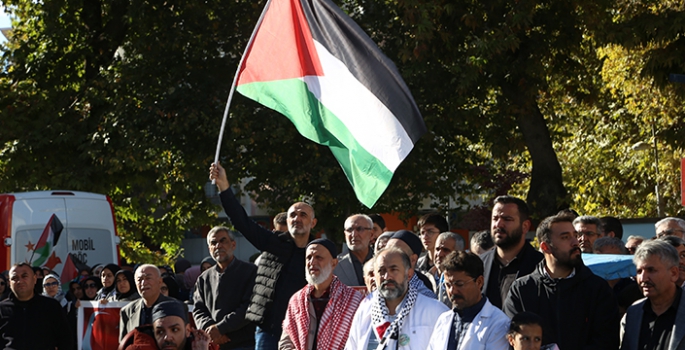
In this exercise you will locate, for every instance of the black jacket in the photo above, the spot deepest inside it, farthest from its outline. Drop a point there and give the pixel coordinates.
(37, 324)
(579, 312)
(280, 272)
(221, 298)
(529, 259)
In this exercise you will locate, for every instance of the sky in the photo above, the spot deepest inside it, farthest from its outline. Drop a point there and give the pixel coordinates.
(4, 22)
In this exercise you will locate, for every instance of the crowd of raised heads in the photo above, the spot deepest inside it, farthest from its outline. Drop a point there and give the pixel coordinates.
(429, 288)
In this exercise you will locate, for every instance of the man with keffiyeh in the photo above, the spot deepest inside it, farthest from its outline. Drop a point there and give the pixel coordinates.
(397, 315)
(321, 312)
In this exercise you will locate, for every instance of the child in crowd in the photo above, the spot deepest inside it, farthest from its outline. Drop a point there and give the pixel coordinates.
(525, 333)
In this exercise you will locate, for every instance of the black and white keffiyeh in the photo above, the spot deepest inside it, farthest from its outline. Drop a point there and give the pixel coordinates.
(379, 313)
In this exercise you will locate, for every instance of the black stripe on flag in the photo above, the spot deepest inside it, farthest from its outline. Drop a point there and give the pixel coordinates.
(346, 41)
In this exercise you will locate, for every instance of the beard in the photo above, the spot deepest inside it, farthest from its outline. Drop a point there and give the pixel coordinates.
(566, 260)
(511, 240)
(324, 273)
(391, 294)
(220, 259)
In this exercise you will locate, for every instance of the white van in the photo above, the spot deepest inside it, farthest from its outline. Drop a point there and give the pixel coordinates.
(89, 231)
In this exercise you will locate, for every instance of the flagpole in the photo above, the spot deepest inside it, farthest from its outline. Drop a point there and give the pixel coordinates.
(235, 79)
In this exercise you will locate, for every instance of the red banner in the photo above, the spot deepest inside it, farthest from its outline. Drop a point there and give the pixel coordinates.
(98, 324)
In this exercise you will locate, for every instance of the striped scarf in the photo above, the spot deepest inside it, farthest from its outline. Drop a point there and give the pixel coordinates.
(335, 323)
(379, 313)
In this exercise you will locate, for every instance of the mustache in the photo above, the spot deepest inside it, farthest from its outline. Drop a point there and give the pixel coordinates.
(646, 284)
(386, 283)
(455, 297)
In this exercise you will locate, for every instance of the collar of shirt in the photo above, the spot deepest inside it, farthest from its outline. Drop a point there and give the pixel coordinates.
(469, 313)
(647, 306)
(570, 275)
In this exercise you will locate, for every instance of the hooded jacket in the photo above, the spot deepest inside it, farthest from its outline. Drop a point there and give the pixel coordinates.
(580, 312)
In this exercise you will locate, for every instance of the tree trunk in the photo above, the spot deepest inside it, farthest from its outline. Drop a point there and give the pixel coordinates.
(547, 194)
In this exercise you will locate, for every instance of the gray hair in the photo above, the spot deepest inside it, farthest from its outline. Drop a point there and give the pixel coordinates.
(364, 216)
(483, 239)
(459, 243)
(590, 220)
(664, 250)
(144, 266)
(609, 242)
(216, 229)
(635, 237)
(679, 221)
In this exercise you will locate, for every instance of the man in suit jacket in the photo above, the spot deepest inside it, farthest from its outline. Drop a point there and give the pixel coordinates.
(358, 232)
(512, 257)
(139, 312)
(660, 317)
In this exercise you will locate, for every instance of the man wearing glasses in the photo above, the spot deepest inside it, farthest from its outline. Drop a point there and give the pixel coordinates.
(358, 232)
(430, 227)
(589, 228)
(670, 227)
(474, 322)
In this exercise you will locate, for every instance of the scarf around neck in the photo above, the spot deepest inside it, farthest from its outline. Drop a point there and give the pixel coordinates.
(335, 323)
(379, 314)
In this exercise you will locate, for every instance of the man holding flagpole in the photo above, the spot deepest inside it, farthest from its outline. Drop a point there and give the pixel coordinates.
(281, 269)
(312, 63)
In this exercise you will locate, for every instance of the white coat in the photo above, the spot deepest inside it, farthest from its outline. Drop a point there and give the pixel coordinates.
(418, 325)
(487, 331)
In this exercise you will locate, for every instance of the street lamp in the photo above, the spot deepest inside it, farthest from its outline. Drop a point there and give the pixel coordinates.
(644, 146)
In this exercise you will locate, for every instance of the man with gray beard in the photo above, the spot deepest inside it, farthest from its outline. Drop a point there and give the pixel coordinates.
(396, 315)
(319, 315)
(222, 294)
(512, 257)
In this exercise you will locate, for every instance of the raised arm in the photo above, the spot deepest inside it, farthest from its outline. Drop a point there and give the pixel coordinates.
(260, 237)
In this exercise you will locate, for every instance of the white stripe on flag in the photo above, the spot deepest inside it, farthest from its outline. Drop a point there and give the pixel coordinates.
(371, 123)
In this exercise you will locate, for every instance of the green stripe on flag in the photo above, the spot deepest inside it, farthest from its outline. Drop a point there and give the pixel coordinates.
(43, 254)
(368, 176)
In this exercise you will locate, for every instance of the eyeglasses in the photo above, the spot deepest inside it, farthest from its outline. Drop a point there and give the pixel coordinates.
(90, 285)
(458, 284)
(670, 232)
(51, 284)
(631, 250)
(358, 229)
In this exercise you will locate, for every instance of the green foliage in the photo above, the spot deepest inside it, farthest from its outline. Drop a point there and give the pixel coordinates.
(541, 99)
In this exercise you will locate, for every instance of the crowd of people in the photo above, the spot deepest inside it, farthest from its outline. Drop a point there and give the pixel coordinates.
(385, 290)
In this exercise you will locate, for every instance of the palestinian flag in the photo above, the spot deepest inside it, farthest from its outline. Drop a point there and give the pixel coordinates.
(48, 240)
(69, 271)
(309, 61)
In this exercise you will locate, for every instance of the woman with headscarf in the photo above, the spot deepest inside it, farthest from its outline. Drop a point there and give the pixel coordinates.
(4, 287)
(169, 286)
(108, 290)
(125, 286)
(53, 289)
(90, 287)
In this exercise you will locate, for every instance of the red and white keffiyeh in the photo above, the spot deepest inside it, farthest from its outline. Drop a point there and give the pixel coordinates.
(335, 323)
